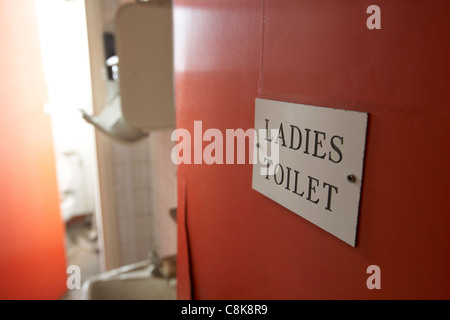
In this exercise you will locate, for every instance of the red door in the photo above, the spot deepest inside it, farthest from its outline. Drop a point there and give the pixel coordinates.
(32, 258)
(242, 245)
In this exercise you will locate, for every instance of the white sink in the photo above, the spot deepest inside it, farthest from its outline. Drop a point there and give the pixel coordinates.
(132, 282)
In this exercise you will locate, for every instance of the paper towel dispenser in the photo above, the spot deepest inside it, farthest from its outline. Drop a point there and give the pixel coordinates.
(144, 45)
(145, 48)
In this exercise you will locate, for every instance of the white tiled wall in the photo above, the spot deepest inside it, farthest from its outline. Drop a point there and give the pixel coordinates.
(145, 191)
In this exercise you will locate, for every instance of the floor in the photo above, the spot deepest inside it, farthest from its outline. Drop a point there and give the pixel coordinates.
(82, 251)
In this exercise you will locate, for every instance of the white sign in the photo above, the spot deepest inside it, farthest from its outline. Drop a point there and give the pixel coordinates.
(319, 171)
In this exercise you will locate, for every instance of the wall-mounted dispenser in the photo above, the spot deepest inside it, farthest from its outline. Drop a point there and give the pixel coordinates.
(145, 53)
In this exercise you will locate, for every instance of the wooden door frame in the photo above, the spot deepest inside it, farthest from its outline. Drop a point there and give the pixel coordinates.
(106, 212)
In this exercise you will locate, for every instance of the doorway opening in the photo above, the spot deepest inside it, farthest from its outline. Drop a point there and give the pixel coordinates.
(65, 56)
(116, 198)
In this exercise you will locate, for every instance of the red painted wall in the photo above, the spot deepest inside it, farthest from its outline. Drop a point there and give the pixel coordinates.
(245, 246)
(32, 259)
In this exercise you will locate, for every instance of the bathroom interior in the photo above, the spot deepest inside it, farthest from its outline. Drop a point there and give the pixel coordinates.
(92, 206)
(117, 187)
